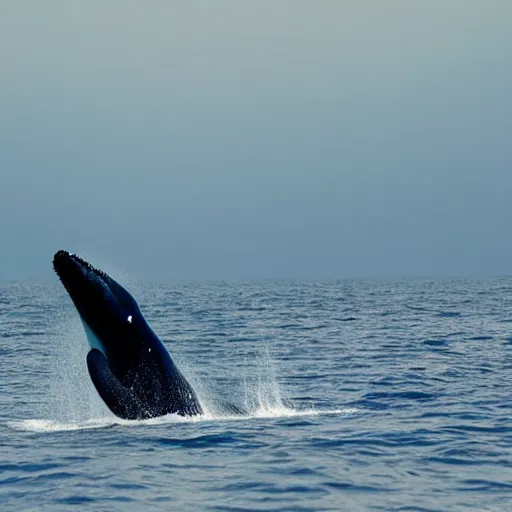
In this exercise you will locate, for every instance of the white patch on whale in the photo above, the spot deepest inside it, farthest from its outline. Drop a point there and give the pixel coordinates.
(93, 340)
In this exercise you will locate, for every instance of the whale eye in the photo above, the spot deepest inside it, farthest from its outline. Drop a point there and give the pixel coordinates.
(130, 319)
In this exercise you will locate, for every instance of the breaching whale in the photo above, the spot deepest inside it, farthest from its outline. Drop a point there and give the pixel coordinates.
(128, 364)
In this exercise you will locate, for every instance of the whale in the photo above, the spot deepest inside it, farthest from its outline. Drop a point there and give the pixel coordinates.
(129, 366)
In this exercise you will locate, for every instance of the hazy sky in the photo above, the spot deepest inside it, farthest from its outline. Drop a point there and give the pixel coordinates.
(279, 138)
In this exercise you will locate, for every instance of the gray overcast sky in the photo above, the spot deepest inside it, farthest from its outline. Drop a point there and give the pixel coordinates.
(288, 138)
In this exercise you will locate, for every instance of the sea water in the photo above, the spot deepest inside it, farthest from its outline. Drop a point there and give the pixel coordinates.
(360, 395)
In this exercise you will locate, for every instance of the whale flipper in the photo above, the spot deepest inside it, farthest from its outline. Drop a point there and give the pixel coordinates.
(118, 398)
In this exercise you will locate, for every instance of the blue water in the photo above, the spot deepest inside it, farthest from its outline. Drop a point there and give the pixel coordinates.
(362, 395)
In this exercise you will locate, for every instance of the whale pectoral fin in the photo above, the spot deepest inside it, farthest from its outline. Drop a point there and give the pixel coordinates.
(119, 399)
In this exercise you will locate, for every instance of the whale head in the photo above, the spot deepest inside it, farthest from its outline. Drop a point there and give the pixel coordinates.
(109, 313)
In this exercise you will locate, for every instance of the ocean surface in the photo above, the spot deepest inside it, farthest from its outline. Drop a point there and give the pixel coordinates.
(362, 395)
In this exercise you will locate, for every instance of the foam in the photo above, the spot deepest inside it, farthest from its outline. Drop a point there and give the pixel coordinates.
(49, 426)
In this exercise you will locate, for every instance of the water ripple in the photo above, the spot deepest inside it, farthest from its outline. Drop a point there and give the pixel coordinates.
(361, 395)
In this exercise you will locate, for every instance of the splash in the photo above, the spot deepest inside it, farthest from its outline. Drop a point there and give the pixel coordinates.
(263, 396)
(73, 403)
(71, 394)
(253, 389)
(49, 426)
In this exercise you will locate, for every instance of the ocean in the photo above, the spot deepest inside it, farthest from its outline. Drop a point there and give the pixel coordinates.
(361, 395)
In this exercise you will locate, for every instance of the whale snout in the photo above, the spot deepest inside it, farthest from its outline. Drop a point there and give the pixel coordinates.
(67, 263)
(79, 277)
(65, 266)
(64, 261)
(60, 260)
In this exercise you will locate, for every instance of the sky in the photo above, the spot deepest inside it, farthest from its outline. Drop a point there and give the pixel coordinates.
(257, 140)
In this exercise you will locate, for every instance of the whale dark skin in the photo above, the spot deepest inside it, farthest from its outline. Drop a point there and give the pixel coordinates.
(129, 366)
